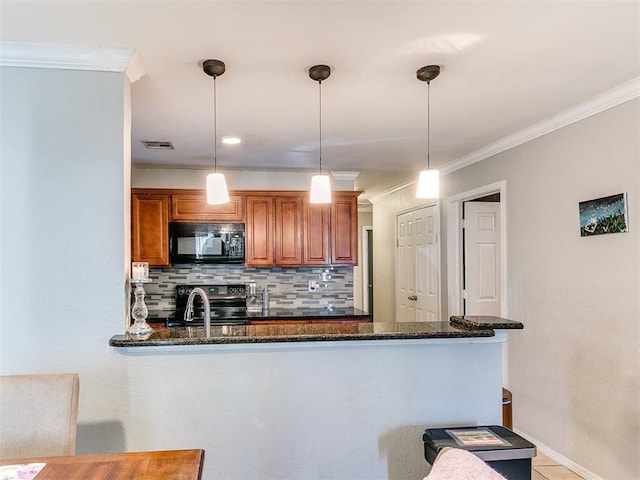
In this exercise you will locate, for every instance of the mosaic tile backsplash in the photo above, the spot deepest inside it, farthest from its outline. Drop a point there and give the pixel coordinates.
(288, 287)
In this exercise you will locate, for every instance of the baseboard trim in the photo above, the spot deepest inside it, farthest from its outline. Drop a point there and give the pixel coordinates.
(561, 459)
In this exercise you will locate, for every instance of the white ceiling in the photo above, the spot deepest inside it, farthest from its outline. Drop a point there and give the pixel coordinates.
(505, 65)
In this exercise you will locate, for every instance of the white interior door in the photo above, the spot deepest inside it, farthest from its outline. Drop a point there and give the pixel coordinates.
(482, 258)
(405, 277)
(418, 272)
(428, 261)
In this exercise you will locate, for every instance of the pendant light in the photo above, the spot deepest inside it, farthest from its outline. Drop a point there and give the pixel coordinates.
(320, 184)
(216, 185)
(429, 179)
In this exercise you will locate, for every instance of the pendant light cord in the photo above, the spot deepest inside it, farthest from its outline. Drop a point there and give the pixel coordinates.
(320, 122)
(215, 127)
(428, 124)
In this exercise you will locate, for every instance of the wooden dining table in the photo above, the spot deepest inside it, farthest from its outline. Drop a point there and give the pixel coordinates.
(157, 465)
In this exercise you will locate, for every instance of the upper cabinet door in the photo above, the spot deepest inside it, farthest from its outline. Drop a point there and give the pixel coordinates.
(150, 229)
(317, 227)
(288, 238)
(259, 231)
(193, 207)
(344, 228)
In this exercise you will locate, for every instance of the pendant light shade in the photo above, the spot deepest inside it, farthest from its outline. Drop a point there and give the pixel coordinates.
(320, 189)
(217, 192)
(428, 184)
(320, 184)
(216, 185)
(429, 179)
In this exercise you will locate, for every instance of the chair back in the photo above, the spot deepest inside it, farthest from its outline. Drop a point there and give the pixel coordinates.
(38, 415)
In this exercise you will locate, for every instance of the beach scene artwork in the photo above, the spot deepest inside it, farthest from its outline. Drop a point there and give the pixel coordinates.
(604, 215)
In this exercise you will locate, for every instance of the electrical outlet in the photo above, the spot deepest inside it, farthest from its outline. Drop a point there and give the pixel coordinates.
(313, 285)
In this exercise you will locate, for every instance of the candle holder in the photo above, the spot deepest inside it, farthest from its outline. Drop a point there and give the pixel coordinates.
(139, 312)
(140, 271)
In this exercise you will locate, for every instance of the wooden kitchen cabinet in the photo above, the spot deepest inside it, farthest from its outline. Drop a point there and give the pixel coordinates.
(344, 228)
(281, 227)
(259, 231)
(193, 207)
(274, 227)
(316, 233)
(288, 230)
(150, 228)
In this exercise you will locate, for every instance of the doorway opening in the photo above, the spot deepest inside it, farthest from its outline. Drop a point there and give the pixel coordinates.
(470, 263)
(367, 270)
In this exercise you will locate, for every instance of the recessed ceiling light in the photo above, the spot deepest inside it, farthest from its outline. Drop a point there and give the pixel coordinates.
(231, 140)
(158, 145)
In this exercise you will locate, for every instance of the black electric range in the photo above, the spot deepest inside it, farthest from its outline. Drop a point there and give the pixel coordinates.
(228, 305)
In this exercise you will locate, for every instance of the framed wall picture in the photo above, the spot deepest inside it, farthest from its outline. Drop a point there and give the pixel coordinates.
(604, 215)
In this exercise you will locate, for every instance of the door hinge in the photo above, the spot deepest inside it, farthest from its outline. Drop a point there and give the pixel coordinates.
(464, 294)
(463, 224)
(397, 242)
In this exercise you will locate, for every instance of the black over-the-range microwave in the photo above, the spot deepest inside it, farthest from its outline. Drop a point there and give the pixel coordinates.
(206, 242)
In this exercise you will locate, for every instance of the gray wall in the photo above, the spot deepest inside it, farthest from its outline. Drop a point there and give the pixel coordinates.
(574, 370)
(62, 245)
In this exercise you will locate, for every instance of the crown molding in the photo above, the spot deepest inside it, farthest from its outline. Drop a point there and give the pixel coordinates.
(384, 194)
(72, 57)
(608, 99)
(611, 98)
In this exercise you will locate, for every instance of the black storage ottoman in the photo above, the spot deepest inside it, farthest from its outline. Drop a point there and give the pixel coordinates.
(506, 452)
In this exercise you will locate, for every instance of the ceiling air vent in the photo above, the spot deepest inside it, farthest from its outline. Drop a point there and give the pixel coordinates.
(155, 145)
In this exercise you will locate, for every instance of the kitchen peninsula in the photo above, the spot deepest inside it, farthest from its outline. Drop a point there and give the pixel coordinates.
(266, 332)
(341, 400)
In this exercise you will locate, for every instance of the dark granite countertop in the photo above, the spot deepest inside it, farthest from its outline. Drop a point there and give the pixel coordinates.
(486, 322)
(311, 332)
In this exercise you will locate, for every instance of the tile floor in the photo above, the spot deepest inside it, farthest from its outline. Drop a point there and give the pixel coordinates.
(543, 468)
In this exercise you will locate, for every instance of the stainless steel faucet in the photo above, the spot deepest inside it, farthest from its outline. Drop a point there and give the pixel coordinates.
(188, 312)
